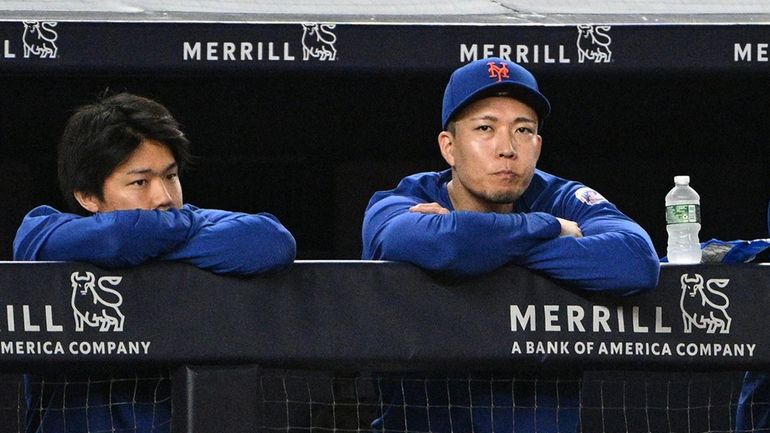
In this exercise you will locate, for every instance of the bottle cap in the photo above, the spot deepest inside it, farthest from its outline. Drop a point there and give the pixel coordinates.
(682, 180)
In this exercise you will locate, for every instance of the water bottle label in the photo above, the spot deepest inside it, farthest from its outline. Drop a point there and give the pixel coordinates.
(683, 213)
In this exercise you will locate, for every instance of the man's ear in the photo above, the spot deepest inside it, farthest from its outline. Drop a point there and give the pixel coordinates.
(539, 147)
(446, 144)
(88, 201)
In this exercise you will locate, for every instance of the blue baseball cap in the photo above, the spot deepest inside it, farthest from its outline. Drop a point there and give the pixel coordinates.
(486, 77)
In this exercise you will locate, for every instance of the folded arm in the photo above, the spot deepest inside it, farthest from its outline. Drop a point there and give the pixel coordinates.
(618, 262)
(615, 254)
(111, 239)
(458, 243)
(237, 243)
(602, 250)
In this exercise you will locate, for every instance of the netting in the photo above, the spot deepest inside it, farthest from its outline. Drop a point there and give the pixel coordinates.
(607, 401)
(93, 403)
(317, 402)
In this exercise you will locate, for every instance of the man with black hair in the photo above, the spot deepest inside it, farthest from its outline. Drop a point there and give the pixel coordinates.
(491, 208)
(119, 164)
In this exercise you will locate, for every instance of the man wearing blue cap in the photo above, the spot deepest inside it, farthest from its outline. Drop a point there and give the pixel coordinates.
(492, 208)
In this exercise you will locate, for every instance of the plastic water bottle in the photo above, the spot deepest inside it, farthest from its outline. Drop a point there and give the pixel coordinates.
(683, 222)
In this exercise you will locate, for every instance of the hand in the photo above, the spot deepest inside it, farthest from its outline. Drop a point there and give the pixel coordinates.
(429, 208)
(569, 228)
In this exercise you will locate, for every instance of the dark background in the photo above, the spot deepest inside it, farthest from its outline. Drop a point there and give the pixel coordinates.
(311, 148)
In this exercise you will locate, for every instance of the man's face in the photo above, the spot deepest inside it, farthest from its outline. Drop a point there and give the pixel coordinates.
(148, 179)
(493, 152)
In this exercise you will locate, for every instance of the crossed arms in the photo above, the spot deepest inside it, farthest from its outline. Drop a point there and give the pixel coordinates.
(613, 254)
(219, 241)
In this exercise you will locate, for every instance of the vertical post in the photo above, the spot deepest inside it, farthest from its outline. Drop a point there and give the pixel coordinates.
(215, 399)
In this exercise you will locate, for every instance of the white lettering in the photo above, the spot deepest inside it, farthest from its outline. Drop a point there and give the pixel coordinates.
(7, 54)
(211, 51)
(271, 55)
(616, 348)
(489, 50)
(468, 53)
(739, 350)
(715, 349)
(516, 53)
(761, 52)
(521, 54)
(84, 348)
(49, 326)
(11, 321)
(505, 52)
(515, 348)
(99, 347)
(228, 51)
(547, 348)
(546, 55)
(601, 318)
(635, 318)
(286, 54)
(575, 316)
(573, 319)
(629, 348)
(550, 317)
(28, 326)
(192, 52)
(659, 327)
(742, 54)
(527, 318)
(246, 48)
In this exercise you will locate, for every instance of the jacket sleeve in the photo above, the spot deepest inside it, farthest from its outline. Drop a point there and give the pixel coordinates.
(237, 243)
(619, 260)
(458, 243)
(614, 255)
(110, 239)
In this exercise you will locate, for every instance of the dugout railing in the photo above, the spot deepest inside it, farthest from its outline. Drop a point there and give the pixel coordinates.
(273, 335)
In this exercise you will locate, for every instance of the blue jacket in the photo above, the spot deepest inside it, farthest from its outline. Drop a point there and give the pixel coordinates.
(614, 255)
(218, 241)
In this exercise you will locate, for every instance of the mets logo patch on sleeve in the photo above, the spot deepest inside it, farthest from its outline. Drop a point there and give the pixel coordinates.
(589, 196)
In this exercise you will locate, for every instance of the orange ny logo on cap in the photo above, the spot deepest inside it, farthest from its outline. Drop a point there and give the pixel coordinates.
(498, 72)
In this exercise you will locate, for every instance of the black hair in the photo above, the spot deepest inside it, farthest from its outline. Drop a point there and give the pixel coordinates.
(102, 135)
